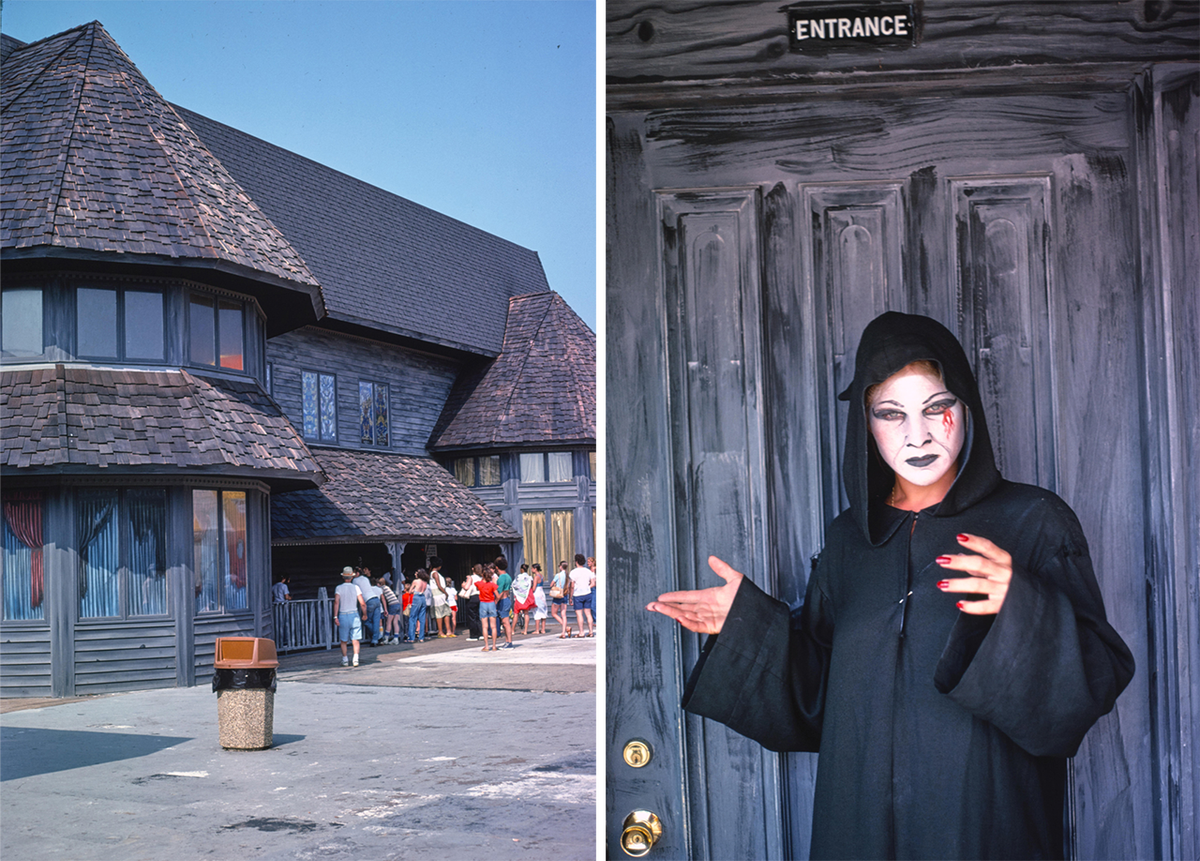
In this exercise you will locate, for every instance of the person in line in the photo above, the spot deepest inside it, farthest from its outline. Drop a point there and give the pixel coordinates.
(416, 612)
(280, 595)
(583, 595)
(952, 650)
(395, 613)
(523, 600)
(362, 580)
(349, 609)
(470, 596)
(487, 608)
(441, 598)
(406, 600)
(539, 601)
(504, 600)
(559, 599)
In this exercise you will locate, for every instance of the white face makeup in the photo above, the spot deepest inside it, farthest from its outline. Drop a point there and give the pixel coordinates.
(918, 426)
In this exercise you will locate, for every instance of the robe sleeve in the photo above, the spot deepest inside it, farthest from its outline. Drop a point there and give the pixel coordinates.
(762, 678)
(1048, 665)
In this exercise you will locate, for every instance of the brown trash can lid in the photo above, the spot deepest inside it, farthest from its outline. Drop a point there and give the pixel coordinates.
(242, 653)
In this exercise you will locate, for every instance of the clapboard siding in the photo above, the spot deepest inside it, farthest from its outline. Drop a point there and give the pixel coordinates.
(124, 656)
(208, 630)
(418, 383)
(25, 661)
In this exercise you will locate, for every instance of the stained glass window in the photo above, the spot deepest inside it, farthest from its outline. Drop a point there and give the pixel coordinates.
(319, 395)
(373, 413)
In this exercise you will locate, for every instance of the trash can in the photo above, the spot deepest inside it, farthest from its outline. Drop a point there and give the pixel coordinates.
(244, 682)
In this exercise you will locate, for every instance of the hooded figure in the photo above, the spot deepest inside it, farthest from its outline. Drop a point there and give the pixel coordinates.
(941, 734)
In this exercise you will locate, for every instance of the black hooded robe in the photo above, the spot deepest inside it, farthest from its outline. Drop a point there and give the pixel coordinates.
(941, 734)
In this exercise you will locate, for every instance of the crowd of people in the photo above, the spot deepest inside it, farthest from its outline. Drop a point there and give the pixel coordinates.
(368, 610)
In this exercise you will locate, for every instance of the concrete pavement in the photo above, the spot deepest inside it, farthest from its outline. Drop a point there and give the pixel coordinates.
(434, 749)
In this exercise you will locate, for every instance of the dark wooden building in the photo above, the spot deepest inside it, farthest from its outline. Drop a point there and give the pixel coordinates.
(219, 358)
(1025, 173)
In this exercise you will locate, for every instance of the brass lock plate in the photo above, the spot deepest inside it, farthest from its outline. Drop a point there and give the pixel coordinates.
(636, 753)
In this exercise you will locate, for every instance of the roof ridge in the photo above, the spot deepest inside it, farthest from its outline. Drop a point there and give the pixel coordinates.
(14, 97)
(525, 354)
(65, 150)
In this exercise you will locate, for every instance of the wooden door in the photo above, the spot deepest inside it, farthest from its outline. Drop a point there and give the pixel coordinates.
(751, 238)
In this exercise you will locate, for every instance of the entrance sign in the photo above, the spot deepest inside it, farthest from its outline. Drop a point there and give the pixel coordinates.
(824, 27)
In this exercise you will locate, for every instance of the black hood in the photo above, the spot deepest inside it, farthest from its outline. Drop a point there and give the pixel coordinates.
(891, 341)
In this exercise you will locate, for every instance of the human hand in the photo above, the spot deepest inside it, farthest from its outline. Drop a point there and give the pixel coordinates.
(990, 570)
(701, 610)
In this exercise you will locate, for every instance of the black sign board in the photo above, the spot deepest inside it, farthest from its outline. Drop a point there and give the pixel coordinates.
(821, 28)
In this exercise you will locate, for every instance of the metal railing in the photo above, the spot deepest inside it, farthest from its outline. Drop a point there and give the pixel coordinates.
(304, 624)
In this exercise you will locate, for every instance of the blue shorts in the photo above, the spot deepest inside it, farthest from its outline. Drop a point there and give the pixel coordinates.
(349, 626)
(585, 602)
(487, 609)
(504, 607)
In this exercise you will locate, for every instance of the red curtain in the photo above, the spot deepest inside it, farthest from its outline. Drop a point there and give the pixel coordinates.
(23, 511)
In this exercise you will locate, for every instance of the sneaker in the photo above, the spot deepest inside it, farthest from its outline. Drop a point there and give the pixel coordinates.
(345, 661)
(356, 660)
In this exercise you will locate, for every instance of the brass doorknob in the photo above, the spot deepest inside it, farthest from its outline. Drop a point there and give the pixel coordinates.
(642, 830)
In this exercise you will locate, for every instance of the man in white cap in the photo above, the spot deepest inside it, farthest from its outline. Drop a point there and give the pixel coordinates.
(348, 608)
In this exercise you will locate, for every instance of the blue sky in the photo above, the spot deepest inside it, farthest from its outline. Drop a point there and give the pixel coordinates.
(485, 111)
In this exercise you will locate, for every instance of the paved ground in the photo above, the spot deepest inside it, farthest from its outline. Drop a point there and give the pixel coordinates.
(435, 750)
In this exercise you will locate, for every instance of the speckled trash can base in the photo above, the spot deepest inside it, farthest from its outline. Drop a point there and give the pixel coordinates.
(246, 719)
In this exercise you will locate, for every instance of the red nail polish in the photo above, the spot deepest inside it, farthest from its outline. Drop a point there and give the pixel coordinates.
(944, 560)
(942, 584)
(959, 605)
(964, 537)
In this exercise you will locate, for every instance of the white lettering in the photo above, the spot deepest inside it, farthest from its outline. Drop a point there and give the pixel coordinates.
(843, 28)
(885, 26)
(901, 25)
(872, 26)
(858, 27)
(801, 30)
(817, 28)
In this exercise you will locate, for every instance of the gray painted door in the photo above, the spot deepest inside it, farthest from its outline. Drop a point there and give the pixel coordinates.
(750, 242)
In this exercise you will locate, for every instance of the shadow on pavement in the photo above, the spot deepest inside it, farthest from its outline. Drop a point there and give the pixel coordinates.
(25, 751)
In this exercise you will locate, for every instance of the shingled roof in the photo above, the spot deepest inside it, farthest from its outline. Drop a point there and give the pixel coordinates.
(94, 160)
(384, 497)
(384, 262)
(540, 390)
(59, 420)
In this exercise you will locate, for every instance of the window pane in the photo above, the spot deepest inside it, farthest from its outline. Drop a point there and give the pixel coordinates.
(534, 529)
(489, 470)
(22, 330)
(23, 581)
(562, 536)
(99, 553)
(96, 322)
(464, 470)
(309, 386)
(592, 465)
(533, 468)
(206, 545)
(234, 508)
(560, 466)
(147, 551)
(381, 415)
(202, 321)
(144, 325)
(231, 336)
(328, 408)
(270, 381)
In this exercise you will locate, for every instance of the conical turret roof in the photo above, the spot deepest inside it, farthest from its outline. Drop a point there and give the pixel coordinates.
(94, 160)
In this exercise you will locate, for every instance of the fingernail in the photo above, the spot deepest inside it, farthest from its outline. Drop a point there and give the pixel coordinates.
(944, 560)
(942, 584)
(964, 537)
(959, 605)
